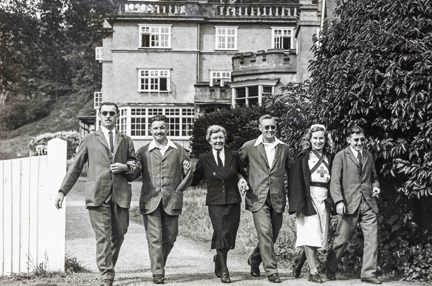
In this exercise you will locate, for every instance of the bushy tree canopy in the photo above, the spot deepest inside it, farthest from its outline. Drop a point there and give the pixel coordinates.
(374, 67)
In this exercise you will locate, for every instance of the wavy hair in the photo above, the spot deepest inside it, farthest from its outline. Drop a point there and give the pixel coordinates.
(305, 141)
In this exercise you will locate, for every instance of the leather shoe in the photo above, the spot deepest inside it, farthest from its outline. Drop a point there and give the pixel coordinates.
(254, 271)
(372, 280)
(315, 278)
(298, 265)
(217, 270)
(274, 278)
(107, 282)
(225, 277)
(158, 279)
(331, 275)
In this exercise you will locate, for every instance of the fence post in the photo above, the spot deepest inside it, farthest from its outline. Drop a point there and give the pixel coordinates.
(53, 233)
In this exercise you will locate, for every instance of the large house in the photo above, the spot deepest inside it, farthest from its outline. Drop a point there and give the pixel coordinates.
(185, 58)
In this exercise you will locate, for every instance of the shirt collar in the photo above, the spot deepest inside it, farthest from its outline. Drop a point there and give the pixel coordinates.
(259, 140)
(355, 152)
(153, 145)
(215, 152)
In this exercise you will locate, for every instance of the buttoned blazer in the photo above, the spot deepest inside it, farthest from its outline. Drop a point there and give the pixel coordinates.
(264, 179)
(95, 152)
(161, 179)
(349, 183)
(299, 178)
(221, 181)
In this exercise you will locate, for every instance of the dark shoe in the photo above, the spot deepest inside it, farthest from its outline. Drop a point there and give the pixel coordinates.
(217, 270)
(225, 278)
(107, 282)
(274, 278)
(158, 279)
(331, 275)
(298, 264)
(315, 278)
(254, 271)
(372, 280)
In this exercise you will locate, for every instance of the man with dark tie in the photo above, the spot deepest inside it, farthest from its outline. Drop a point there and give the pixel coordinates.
(354, 188)
(111, 161)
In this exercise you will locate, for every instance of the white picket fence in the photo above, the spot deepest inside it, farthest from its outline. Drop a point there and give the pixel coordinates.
(32, 230)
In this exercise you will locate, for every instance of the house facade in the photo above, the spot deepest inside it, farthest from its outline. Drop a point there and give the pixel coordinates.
(185, 58)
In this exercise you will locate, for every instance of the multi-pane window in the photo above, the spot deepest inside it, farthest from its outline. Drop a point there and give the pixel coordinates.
(97, 99)
(138, 122)
(219, 77)
(155, 36)
(123, 121)
(180, 120)
(153, 80)
(282, 38)
(226, 38)
(247, 96)
(267, 91)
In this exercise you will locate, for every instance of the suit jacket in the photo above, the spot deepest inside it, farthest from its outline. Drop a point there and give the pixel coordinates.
(221, 181)
(162, 179)
(299, 178)
(101, 183)
(350, 183)
(264, 179)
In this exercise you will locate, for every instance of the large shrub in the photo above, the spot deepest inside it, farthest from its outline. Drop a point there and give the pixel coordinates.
(373, 66)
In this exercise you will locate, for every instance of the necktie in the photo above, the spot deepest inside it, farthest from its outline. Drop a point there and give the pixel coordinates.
(360, 158)
(219, 160)
(111, 141)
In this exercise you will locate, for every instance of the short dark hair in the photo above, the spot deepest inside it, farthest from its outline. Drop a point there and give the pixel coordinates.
(355, 129)
(109, 103)
(158, 117)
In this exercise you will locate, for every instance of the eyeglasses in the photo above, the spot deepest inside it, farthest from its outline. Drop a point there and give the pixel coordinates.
(268, 127)
(110, 113)
(359, 139)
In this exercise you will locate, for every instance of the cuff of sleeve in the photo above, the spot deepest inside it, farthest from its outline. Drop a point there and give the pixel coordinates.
(63, 192)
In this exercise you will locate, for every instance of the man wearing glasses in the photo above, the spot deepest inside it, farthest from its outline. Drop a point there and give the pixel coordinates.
(111, 163)
(354, 188)
(265, 160)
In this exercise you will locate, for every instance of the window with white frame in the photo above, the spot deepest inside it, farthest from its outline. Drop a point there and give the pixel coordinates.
(153, 80)
(155, 36)
(97, 99)
(226, 38)
(219, 77)
(99, 54)
(282, 38)
(180, 120)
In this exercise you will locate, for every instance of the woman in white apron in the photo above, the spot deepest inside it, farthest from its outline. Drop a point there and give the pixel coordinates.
(308, 197)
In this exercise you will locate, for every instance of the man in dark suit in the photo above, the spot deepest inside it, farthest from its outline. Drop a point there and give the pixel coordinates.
(164, 166)
(111, 164)
(354, 188)
(266, 161)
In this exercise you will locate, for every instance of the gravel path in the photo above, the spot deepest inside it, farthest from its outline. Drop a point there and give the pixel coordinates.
(189, 263)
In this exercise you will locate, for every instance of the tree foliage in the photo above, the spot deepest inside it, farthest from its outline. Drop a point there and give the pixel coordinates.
(47, 51)
(374, 67)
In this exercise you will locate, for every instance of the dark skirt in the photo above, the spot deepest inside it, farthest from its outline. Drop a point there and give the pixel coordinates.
(225, 220)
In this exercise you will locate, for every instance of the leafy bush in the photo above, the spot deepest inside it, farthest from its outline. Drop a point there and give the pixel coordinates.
(38, 144)
(240, 123)
(373, 67)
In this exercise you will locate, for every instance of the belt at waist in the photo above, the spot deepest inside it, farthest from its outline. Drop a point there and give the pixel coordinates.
(319, 184)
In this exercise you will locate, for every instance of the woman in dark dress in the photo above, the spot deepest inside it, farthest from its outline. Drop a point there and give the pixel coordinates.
(308, 197)
(220, 168)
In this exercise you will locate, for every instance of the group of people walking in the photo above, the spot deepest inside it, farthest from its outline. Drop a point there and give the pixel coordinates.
(317, 184)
